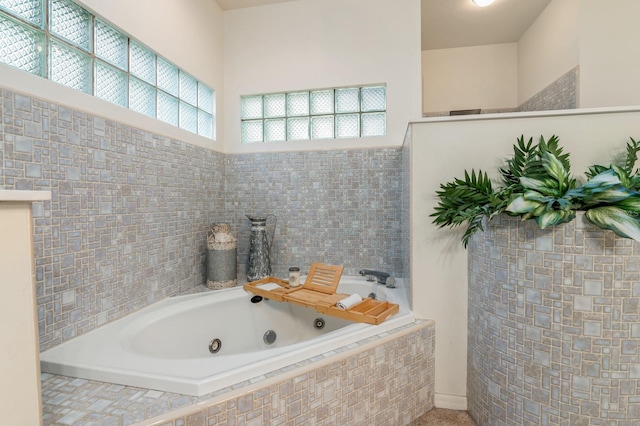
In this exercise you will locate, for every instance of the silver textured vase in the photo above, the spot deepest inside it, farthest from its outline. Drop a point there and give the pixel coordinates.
(259, 263)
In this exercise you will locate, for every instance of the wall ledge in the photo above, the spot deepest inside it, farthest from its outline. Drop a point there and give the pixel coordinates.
(11, 195)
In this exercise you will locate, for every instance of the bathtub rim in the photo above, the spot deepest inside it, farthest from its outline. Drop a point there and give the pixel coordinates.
(54, 358)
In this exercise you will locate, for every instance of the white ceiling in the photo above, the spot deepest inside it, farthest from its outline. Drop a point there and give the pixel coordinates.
(457, 23)
(460, 23)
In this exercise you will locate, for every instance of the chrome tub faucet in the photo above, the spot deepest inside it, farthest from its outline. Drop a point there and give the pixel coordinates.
(381, 277)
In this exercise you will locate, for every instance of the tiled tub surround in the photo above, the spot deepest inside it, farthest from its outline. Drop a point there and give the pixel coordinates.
(387, 379)
(338, 207)
(127, 222)
(553, 325)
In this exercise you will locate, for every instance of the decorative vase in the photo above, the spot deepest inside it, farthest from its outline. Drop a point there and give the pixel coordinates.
(221, 257)
(259, 264)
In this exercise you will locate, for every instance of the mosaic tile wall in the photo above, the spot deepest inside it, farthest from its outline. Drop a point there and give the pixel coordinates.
(126, 225)
(127, 222)
(561, 94)
(337, 207)
(554, 334)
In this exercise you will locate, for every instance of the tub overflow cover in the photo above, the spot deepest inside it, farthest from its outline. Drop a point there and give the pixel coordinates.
(215, 345)
(269, 337)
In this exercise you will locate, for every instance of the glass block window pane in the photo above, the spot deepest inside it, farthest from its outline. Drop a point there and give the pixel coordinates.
(347, 100)
(188, 117)
(374, 98)
(347, 126)
(297, 104)
(275, 105)
(71, 22)
(322, 102)
(142, 63)
(21, 46)
(251, 107)
(322, 127)
(69, 66)
(188, 89)
(205, 124)
(374, 124)
(252, 131)
(142, 97)
(29, 10)
(298, 128)
(167, 108)
(205, 98)
(275, 130)
(167, 77)
(111, 45)
(110, 84)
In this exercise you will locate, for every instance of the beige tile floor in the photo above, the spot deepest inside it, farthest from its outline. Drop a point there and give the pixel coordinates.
(442, 417)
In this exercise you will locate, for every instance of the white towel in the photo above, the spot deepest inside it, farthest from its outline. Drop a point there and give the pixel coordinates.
(268, 286)
(348, 302)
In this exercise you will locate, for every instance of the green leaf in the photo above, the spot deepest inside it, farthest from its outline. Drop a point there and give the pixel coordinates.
(617, 220)
(632, 155)
(603, 179)
(520, 205)
(609, 196)
(631, 205)
(544, 186)
(554, 167)
(554, 217)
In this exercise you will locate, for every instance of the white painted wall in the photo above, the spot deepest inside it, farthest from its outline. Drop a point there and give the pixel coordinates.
(549, 48)
(483, 77)
(609, 53)
(443, 148)
(310, 44)
(187, 32)
(20, 400)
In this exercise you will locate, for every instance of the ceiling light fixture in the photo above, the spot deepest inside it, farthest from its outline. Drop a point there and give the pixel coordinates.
(483, 3)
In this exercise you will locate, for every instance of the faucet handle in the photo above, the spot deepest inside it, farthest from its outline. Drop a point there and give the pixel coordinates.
(390, 282)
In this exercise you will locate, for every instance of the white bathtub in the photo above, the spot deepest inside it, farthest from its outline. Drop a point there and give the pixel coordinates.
(166, 345)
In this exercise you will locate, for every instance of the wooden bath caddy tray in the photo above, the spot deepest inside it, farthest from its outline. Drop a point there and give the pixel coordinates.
(319, 293)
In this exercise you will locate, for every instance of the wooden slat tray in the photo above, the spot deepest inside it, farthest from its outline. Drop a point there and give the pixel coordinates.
(370, 311)
(318, 292)
(277, 294)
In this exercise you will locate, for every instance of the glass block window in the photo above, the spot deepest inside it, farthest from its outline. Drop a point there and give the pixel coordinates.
(71, 22)
(22, 46)
(142, 62)
(70, 66)
(142, 97)
(167, 108)
(61, 41)
(349, 112)
(31, 11)
(111, 45)
(168, 77)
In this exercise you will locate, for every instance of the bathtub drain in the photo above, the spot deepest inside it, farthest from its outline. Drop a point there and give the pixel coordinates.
(215, 345)
(269, 337)
(318, 323)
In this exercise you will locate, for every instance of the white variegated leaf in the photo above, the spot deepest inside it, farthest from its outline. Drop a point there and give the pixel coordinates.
(615, 219)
